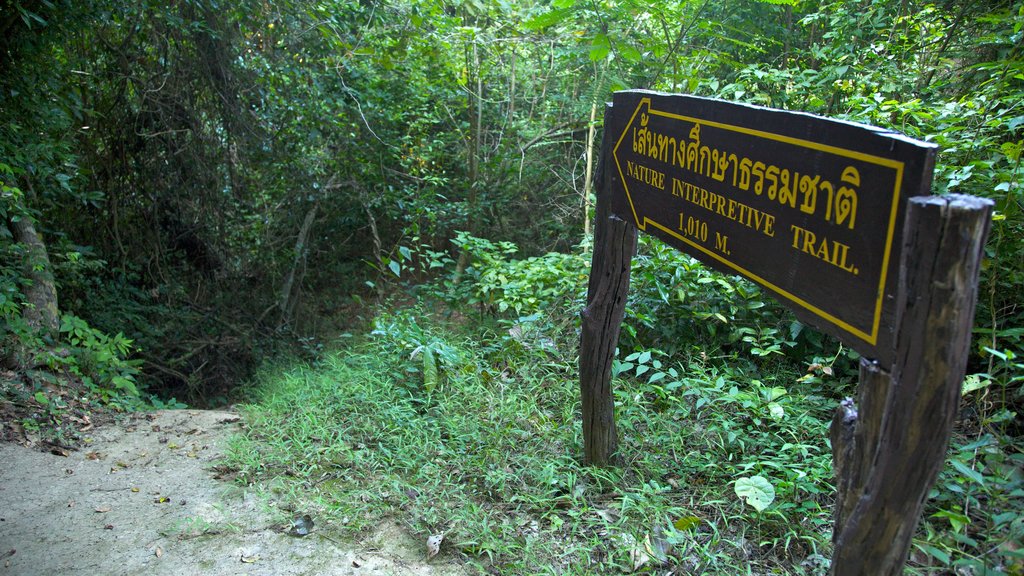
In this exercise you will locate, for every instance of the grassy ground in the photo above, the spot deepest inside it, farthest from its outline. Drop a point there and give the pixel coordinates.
(474, 433)
(477, 436)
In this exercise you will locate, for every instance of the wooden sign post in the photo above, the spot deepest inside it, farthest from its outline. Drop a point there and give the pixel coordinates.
(836, 221)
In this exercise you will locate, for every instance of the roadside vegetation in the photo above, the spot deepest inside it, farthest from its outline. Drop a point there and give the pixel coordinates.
(370, 222)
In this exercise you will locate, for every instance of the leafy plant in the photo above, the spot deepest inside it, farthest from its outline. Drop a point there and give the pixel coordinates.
(101, 361)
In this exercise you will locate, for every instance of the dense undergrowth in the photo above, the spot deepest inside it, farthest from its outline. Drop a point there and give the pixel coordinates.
(465, 422)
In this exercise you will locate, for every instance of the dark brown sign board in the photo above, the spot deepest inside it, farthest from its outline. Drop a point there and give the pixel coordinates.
(810, 208)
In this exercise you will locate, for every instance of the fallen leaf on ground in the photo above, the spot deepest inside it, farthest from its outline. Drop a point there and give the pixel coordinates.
(658, 546)
(434, 545)
(638, 557)
(162, 500)
(607, 515)
(159, 552)
(686, 523)
(103, 509)
(250, 559)
(92, 455)
(303, 525)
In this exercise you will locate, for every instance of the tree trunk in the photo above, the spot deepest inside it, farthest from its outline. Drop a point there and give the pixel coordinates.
(42, 312)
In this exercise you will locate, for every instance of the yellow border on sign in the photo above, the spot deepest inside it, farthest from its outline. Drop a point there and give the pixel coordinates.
(871, 338)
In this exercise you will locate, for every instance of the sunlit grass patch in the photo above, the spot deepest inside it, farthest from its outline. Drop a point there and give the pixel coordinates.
(480, 441)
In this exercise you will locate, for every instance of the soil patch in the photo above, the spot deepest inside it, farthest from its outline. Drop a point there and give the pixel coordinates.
(142, 496)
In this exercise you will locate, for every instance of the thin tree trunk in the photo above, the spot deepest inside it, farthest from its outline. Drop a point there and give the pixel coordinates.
(378, 249)
(588, 181)
(591, 132)
(290, 291)
(473, 150)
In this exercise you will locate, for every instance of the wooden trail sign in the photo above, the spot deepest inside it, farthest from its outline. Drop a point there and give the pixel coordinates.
(836, 220)
(807, 207)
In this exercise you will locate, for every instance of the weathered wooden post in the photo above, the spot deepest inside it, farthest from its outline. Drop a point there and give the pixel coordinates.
(889, 449)
(614, 246)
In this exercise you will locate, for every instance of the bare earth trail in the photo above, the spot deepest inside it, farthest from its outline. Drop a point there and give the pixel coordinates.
(141, 498)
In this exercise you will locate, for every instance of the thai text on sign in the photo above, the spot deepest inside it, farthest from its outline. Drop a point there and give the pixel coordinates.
(807, 207)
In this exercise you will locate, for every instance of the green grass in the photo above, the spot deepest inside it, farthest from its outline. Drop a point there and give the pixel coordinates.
(485, 444)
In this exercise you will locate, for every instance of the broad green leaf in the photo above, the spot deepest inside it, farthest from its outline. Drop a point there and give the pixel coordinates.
(541, 21)
(974, 382)
(395, 267)
(756, 491)
(616, 84)
(934, 553)
(686, 523)
(956, 519)
(968, 472)
(631, 54)
(776, 410)
(1004, 518)
(600, 47)
(429, 370)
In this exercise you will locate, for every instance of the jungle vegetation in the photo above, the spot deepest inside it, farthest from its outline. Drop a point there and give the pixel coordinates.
(209, 202)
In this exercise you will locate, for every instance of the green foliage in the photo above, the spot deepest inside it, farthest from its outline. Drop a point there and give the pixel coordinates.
(521, 287)
(178, 155)
(676, 302)
(423, 353)
(101, 361)
(756, 491)
(488, 455)
(969, 523)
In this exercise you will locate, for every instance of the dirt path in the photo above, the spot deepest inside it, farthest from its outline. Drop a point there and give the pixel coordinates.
(141, 498)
